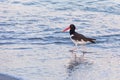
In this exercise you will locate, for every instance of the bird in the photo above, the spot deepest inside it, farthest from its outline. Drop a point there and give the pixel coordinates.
(76, 37)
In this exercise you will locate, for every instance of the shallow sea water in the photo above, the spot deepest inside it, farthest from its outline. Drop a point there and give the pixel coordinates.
(33, 46)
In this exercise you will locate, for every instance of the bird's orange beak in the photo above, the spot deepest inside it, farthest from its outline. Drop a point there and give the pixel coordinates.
(66, 29)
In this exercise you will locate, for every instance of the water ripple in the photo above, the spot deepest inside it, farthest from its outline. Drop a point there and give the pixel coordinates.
(31, 33)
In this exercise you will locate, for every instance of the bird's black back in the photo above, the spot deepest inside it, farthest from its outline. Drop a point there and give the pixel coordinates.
(78, 37)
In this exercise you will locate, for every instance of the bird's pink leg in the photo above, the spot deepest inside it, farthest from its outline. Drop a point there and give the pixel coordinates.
(74, 56)
(75, 47)
(83, 48)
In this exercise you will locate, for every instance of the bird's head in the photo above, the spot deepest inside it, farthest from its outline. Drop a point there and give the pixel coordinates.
(71, 27)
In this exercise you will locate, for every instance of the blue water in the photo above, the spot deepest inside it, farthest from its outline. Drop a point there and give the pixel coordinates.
(33, 46)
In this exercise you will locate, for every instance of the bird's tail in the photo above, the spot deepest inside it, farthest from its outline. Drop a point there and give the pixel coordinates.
(91, 40)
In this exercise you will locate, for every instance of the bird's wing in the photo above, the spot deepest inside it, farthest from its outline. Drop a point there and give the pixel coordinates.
(77, 36)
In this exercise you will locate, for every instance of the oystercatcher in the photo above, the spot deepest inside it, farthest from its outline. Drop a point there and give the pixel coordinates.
(76, 37)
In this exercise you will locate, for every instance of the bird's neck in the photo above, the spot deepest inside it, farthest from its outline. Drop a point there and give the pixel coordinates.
(72, 32)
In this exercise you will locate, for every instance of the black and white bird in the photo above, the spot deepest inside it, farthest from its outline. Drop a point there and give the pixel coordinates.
(76, 37)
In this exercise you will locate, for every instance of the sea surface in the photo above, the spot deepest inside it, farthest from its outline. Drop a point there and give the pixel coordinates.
(33, 46)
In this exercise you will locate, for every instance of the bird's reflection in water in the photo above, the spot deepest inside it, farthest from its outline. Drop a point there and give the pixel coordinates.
(77, 62)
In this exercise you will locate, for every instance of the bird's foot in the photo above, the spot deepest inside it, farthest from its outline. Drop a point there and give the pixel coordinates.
(84, 52)
(72, 50)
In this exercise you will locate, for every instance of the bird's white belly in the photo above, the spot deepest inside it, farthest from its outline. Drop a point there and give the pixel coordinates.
(76, 42)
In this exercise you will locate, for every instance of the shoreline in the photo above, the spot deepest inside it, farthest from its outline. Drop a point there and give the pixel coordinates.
(7, 77)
